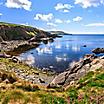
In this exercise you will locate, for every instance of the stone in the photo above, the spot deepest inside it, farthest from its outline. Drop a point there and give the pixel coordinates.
(98, 50)
(70, 78)
(6, 81)
(41, 80)
(84, 45)
(59, 80)
(15, 59)
(96, 66)
(95, 61)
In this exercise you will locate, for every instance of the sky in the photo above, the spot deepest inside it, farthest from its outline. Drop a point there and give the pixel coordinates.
(72, 16)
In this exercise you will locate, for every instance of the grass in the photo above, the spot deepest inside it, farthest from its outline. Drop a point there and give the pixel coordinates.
(8, 65)
(50, 99)
(11, 24)
(15, 96)
(87, 90)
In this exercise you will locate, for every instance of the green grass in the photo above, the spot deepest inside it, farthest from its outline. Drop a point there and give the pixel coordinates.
(15, 96)
(91, 89)
(88, 90)
(11, 24)
(50, 99)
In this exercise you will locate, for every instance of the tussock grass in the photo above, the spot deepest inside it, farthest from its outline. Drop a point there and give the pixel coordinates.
(87, 90)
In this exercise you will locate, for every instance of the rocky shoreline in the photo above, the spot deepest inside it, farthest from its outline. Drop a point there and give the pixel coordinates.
(25, 72)
(73, 73)
(77, 70)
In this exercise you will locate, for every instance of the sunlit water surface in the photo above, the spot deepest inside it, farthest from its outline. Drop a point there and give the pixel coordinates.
(59, 54)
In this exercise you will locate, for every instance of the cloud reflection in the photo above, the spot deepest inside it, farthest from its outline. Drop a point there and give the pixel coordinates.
(64, 57)
(30, 59)
(58, 45)
(45, 50)
(75, 48)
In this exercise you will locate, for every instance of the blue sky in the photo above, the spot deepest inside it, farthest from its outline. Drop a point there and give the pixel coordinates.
(73, 16)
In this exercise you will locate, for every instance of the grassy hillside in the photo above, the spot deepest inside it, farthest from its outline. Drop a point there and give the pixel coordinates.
(10, 31)
(87, 90)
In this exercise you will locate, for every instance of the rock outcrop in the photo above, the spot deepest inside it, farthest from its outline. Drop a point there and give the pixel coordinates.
(98, 50)
(79, 69)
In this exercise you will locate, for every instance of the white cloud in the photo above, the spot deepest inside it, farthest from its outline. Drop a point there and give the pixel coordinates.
(77, 19)
(95, 25)
(50, 19)
(25, 4)
(63, 7)
(89, 3)
(1, 14)
(51, 24)
(67, 21)
(44, 17)
(58, 21)
(65, 11)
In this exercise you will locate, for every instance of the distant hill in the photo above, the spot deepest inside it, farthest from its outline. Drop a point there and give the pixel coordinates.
(59, 33)
(10, 31)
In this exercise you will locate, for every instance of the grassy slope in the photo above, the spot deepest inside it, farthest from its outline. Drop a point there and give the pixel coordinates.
(10, 31)
(88, 90)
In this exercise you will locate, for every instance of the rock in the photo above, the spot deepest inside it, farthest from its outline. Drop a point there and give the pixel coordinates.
(96, 66)
(37, 73)
(95, 61)
(6, 81)
(59, 80)
(15, 59)
(0, 80)
(1, 39)
(4, 55)
(89, 56)
(41, 80)
(76, 71)
(98, 50)
(84, 45)
(69, 79)
(102, 57)
(32, 53)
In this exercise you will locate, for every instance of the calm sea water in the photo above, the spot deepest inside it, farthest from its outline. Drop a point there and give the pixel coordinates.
(59, 54)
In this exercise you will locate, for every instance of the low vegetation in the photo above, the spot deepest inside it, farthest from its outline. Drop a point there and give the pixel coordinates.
(9, 31)
(87, 90)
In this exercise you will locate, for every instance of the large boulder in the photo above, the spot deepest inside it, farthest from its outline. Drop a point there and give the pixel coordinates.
(98, 50)
(59, 80)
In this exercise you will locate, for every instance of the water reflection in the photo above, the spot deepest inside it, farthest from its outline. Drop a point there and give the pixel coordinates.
(60, 53)
(29, 59)
(75, 47)
(45, 50)
(58, 45)
(60, 58)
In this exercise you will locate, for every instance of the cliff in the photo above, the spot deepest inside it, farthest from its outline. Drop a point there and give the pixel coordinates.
(10, 31)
